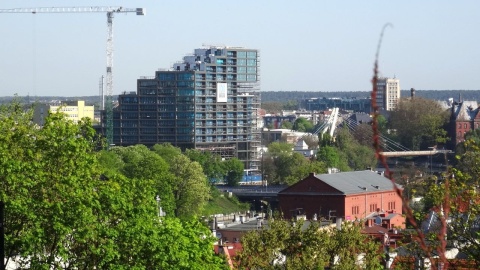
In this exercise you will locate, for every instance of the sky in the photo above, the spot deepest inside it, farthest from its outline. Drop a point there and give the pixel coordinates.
(307, 45)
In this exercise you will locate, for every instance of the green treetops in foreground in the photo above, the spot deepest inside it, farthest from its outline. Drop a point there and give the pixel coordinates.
(457, 199)
(291, 245)
(69, 207)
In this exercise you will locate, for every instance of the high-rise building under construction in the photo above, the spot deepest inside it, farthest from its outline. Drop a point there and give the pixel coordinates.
(209, 101)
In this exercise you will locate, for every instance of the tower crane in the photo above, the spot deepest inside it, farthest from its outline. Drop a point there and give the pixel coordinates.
(110, 11)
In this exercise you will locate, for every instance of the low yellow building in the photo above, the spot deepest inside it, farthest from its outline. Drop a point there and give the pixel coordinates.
(74, 111)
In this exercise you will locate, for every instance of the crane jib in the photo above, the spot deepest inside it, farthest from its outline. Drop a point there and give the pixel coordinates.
(138, 11)
(109, 76)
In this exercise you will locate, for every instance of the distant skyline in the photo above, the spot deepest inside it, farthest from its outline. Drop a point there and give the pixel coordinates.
(307, 45)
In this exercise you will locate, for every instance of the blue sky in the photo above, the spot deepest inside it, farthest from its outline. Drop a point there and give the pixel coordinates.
(308, 45)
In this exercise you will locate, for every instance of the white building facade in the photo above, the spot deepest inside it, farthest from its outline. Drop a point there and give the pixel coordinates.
(388, 93)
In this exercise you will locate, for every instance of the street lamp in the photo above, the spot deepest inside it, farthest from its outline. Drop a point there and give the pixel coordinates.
(160, 212)
(432, 148)
(263, 170)
(266, 183)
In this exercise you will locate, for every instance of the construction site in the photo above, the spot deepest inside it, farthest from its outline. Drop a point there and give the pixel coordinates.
(209, 102)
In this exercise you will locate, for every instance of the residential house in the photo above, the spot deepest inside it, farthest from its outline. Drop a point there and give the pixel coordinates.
(463, 118)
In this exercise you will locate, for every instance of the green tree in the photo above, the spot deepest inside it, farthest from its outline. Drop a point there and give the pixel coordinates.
(302, 125)
(363, 134)
(304, 168)
(289, 245)
(141, 163)
(65, 211)
(110, 161)
(211, 163)
(330, 156)
(290, 105)
(47, 192)
(284, 246)
(233, 169)
(186, 245)
(382, 124)
(167, 151)
(286, 125)
(454, 200)
(280, 148)
(359, 157)
(472, 137)
(190, 186)
(419, 123)
(272, 107)
(349, 242)
(281, 165)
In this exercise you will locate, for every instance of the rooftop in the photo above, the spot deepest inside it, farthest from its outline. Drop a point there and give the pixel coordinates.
(357, 182)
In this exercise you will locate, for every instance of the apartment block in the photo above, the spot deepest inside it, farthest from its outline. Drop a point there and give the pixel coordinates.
(388, 93)
(73, 110)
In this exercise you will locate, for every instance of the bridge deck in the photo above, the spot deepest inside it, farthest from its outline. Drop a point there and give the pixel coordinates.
(415, 153)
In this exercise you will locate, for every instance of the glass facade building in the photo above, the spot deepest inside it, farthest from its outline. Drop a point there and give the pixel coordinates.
(350, 104)
(209, 101)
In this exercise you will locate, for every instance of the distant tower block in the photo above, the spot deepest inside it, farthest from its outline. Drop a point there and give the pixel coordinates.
(388, 93)
(412, 93)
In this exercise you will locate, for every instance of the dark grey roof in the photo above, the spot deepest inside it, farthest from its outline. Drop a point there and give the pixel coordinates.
(357, 182)
(465, 111)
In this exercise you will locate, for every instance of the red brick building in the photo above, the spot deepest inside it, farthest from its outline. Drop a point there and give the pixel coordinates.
(359, 195)
(464, 117)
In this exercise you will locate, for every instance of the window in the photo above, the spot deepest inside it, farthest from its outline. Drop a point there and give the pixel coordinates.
(373, 207)
(166, 76)
(251, 54)
(184, 76)
(148, 83)
(465, 125)
(391, 205)
(251, 62)
(355, 210)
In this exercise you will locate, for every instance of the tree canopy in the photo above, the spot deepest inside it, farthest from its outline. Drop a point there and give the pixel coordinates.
(69, 207)
(281, 165)
(419, 123)
(346, 152)
(293, 245)
(233, 169)
(302, 125)
(211, 163)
